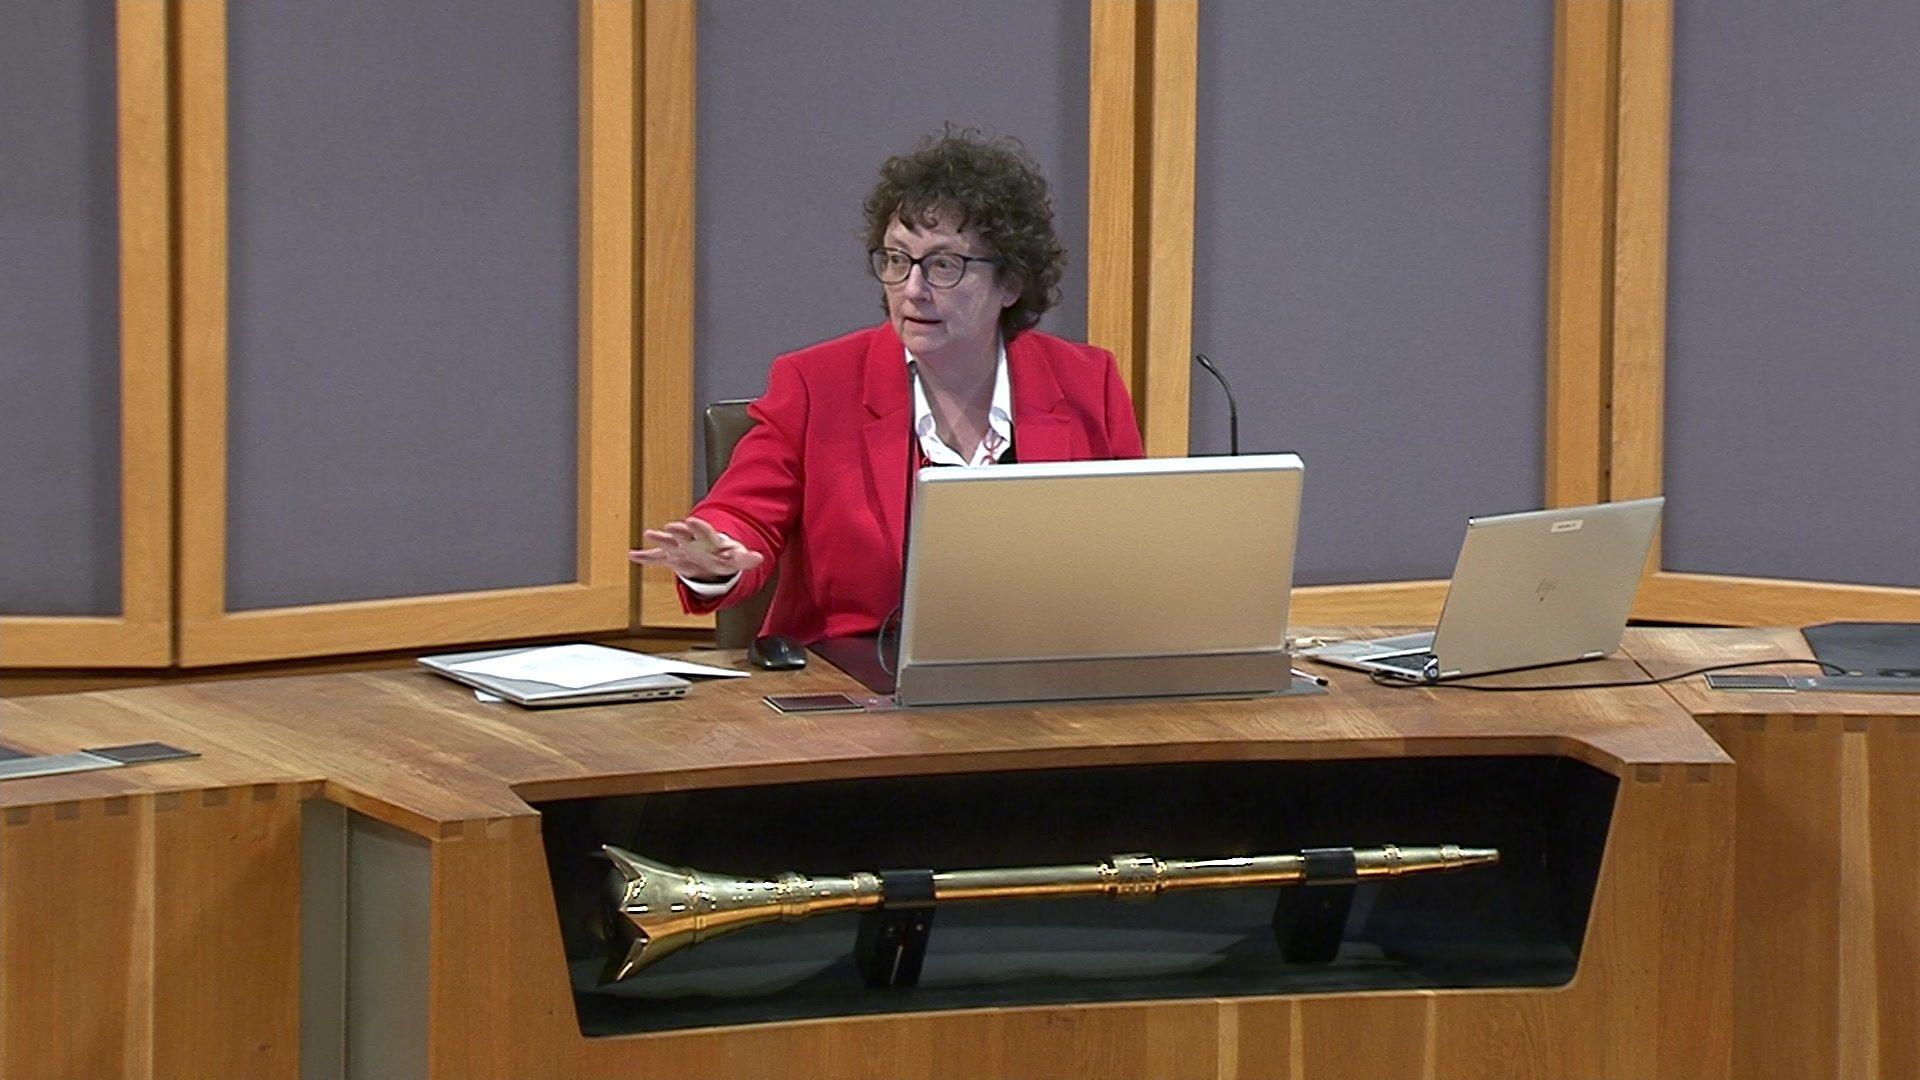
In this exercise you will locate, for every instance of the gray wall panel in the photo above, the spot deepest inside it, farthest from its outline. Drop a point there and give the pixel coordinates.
(59, 311)
(1793, 356)
(1371, 264)
(798, 105)
(404, 279)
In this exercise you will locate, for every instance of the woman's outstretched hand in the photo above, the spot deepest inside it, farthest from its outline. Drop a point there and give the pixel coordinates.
(695, 550)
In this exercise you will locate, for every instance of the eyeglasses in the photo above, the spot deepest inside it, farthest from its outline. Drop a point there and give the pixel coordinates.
(942, 269)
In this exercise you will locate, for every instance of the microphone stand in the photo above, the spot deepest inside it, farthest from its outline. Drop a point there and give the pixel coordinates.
(1233, 447)
(1233, 410)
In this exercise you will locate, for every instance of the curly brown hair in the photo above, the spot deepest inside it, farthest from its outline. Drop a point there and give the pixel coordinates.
(992, 185)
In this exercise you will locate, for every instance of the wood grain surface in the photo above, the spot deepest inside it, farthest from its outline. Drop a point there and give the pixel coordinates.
(1826, 885)
(186, 900)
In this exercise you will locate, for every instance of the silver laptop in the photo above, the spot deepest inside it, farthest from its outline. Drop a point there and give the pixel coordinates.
(1100, 579)
(1532, 589)
(539, 695)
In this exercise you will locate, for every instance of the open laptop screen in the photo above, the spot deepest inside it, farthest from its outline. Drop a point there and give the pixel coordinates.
(1100, 561)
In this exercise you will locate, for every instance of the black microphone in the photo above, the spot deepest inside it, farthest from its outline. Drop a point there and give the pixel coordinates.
(1233, 410)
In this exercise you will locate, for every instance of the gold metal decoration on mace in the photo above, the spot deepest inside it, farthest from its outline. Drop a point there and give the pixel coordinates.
(663, 909)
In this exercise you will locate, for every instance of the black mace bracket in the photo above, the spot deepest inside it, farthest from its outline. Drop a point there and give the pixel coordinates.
(892, 943)
(1309, 923)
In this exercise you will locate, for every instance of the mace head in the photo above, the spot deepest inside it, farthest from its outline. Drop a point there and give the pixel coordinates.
(656, 910)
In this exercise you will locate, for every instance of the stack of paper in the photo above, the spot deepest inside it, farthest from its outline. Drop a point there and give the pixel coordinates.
(577, 667)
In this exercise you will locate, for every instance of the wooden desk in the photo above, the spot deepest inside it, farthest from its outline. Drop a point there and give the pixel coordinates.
(1827, 862)
(149, 923)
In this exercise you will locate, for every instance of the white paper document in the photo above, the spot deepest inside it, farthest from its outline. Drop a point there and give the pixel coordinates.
(577, 667)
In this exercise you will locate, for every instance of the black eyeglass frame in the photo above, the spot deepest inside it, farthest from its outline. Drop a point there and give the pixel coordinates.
(875, 256)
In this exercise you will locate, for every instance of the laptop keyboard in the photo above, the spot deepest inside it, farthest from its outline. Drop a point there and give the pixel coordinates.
(1414, 664)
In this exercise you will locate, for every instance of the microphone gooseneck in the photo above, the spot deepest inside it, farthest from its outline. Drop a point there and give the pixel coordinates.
(1233, 410)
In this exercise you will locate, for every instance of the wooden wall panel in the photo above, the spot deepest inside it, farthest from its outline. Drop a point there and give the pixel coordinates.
(211, 633)
(1638, 373)
(141, 635)
(1333, 282)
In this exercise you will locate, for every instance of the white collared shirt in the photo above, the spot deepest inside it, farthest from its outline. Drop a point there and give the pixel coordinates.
(999, 434)
(992, 446)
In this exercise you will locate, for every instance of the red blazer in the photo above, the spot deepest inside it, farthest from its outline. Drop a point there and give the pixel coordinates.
(819, 485)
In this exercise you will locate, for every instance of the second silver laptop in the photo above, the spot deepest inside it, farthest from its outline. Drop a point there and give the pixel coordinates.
(1531, 589)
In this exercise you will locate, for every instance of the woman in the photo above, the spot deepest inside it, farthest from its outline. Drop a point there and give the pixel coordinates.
(961, 239)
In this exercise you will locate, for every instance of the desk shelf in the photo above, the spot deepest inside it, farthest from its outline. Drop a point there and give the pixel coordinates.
(1518, 924)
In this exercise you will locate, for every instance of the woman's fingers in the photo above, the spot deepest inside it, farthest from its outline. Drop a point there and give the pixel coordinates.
(740, 557)
(682, 534)
(694, 549)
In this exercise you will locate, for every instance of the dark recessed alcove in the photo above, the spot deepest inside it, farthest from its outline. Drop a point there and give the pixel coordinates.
(1517, 924)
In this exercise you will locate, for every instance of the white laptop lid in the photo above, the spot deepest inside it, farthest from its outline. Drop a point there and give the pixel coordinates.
(1073, 560)
(1544, 587)
(535, 695)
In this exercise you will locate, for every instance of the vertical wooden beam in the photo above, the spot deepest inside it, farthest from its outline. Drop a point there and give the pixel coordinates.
(1168, 299)
(146, 335)
(1858, 1023)
(1580, 255)
(1113, 121)
(666, 406)
(1640, 249)
(1892, 976)
(607, 299)
(202, 306)
(1637, 359)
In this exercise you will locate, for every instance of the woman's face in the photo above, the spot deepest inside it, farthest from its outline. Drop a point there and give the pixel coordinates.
(955, 321)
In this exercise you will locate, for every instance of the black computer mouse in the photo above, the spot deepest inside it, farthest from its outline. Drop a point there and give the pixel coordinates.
(776, 653)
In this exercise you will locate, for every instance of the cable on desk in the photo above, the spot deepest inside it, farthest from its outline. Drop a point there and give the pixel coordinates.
(1402, 682)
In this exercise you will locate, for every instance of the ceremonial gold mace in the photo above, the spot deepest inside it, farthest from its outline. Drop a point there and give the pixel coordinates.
(662, 909)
